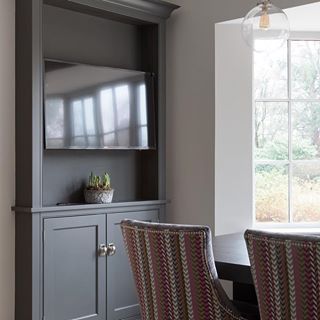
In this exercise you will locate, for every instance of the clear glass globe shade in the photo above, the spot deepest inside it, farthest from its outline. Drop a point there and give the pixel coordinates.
(265, 27)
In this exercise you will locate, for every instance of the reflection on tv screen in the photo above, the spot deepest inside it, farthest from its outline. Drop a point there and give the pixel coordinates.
(91, 107)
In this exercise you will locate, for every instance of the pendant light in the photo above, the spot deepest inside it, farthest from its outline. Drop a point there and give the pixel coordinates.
(265, 22)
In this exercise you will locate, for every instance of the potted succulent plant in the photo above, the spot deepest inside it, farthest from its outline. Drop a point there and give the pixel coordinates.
(98, 189)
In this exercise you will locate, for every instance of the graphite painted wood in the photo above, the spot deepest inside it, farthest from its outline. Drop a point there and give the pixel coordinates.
(154, 7)
(112, 44)
(23, 267)
(74, 273)
(80, 209)
(136, 175)
(122, 297)
(150, 63)
(161, 110)
(27, 267)
(135, 18)
(89, 39)
(29, 285)
(133, 318)
(231, 258)
(134, 10)
(66, 172)
(28, 102)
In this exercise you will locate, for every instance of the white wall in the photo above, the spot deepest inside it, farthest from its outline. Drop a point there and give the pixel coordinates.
(190, 115)
(190, 104)
(6, 159)
(233, 130)
(233, 122)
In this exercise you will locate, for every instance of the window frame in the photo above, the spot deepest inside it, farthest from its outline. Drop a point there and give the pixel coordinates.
(295, 36)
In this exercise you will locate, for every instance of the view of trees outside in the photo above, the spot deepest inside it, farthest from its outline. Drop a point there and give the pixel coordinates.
(287, 133)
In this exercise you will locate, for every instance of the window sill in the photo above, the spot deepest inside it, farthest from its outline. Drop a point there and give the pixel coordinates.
(312, 228)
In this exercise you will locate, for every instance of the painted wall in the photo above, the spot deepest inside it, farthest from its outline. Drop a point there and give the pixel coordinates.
(190, 102)
(6, 159)
(233, 130)
(233, 118)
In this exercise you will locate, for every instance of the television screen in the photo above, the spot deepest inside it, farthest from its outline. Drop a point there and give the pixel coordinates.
(93, 107)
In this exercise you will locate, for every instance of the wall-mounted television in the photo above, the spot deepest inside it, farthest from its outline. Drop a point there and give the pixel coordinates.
(96, 107)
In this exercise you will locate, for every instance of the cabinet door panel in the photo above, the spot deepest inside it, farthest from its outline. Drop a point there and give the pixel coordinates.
(74, 274)
(121, 291)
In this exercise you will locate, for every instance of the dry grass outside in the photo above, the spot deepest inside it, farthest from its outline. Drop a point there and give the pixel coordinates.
(272, 198)
(306, 201)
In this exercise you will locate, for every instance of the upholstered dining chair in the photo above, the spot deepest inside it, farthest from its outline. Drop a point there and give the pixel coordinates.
(174, 272)
(286, 274)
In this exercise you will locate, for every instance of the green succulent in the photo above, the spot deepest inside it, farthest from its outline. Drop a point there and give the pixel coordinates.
(99, 183)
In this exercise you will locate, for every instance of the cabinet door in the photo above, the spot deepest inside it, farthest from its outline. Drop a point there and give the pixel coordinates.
(121, 291)
(74, 274)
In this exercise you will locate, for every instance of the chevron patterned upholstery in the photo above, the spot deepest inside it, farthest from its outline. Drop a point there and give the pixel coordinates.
(286, 274)
(174, 272)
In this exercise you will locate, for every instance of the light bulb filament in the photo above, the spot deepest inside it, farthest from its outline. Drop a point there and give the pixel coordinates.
(264, 19)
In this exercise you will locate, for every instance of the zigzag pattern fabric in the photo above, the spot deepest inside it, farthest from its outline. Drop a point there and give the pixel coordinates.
(286, 274)
(172, 273)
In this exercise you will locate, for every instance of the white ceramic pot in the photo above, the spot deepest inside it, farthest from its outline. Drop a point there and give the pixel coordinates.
(98, 196)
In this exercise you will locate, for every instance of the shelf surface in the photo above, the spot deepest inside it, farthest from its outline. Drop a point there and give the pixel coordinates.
(84, 206)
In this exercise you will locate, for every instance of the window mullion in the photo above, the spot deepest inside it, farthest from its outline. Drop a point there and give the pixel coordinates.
(289, 131)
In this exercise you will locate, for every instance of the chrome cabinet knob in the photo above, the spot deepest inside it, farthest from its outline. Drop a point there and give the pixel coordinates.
(111, 249)
(107, 250)
(103, 250)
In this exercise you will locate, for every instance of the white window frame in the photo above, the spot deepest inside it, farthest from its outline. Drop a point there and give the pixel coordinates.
(295, 36)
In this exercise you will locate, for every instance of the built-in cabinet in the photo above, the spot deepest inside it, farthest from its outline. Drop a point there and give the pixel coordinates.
(121, 292)
(80, 268)
(74, 274)
(85, 267)
(70, 259)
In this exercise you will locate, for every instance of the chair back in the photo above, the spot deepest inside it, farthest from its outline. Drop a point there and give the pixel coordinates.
(286, 274)
(174, 272)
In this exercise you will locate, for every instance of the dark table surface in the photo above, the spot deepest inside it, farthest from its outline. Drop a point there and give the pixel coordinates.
(231, 258)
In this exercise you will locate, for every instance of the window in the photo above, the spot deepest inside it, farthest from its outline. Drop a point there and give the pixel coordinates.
(84, 131)
(55, 121)
(114, 102)
(142, 110)
(287, 133)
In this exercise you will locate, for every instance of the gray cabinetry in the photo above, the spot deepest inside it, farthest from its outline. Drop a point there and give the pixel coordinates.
(122, 300)
(74, 277)
(59, 274)
(80, 280)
